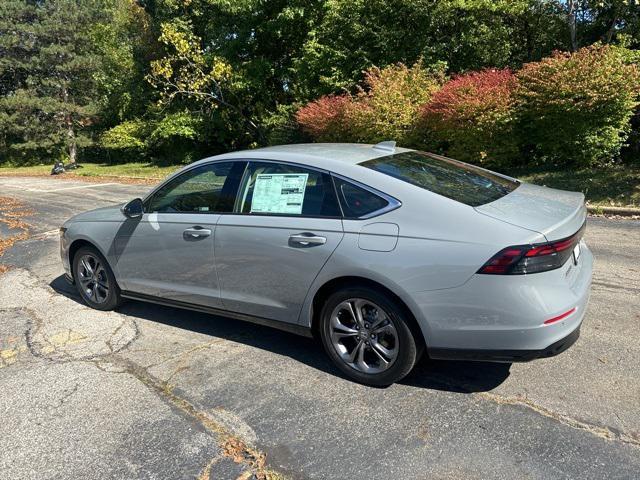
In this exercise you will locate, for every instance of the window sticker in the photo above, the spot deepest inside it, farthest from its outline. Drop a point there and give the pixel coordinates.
(279, 193)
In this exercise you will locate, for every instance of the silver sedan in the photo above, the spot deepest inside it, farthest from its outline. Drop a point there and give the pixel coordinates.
(382, 253)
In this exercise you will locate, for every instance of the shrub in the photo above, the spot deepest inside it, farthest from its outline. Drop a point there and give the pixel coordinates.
(384, 108)
(126, 141)
(325, 119)
(471, 117)
(575, 108)
(173, 138)
(127, 135)
(389, 104)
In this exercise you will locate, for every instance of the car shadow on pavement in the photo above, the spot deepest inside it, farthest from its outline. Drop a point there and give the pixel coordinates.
(450, 376)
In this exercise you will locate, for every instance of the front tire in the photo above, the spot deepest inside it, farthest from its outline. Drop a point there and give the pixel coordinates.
(94, 279)
(367, 335)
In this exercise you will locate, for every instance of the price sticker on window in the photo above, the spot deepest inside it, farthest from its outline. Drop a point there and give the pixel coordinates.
(279, 193)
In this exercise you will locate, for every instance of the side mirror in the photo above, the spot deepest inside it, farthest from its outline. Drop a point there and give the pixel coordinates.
(133, 209)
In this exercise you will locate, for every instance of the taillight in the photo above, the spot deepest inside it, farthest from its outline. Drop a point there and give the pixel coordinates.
(541, 257)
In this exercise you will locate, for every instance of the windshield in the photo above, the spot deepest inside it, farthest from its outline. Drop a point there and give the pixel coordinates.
(452, 179)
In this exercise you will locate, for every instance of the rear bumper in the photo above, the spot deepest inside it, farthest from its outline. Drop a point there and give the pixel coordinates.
(502, 318)
(507, 356)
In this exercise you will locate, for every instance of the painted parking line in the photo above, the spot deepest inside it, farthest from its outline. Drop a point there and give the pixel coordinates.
(47, 234)
(94, 185)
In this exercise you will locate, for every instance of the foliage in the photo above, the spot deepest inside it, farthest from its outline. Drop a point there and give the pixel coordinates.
(172, 134)
(327, 119)
(125, 45)
(169, 80)
(385, 107)
(355, 35)
(388, 105)
(471, 117)
(175, 126)
(128, 135)
(575, 108)
(282, 128)
(46, 64)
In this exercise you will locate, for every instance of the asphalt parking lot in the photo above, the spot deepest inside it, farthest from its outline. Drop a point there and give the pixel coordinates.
(159, 393)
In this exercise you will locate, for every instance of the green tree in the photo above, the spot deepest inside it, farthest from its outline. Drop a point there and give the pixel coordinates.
(355, 35)
(49, 102)
(125, 45)
(231, 62)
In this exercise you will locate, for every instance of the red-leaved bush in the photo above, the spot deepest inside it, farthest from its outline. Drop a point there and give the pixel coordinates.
(384, 108)
(325, 119)
(567, 109)
(471, 117)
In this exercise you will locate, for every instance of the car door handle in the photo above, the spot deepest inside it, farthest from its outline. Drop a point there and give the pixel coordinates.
(307, 239)
(196, 233)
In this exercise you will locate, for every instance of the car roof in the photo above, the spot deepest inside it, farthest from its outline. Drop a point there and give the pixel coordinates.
(328, 156)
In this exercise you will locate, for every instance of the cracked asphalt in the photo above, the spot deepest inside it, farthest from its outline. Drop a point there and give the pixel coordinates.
(159, 393)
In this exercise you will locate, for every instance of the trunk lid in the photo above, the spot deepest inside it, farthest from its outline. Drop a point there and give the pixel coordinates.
(554, 213)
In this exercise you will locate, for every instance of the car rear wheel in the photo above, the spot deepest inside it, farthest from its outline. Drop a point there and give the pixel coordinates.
(94, 280)
(368, 337)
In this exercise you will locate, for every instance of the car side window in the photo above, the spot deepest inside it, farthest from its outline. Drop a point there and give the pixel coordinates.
(208, 188)
(281, 189)
(356, 201)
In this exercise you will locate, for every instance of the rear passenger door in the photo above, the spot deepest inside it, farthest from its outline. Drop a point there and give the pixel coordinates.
(285, 226)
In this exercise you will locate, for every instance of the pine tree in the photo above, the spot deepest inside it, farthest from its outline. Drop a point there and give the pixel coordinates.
(47, 87)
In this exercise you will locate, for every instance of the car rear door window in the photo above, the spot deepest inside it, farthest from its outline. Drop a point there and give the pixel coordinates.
(358, 202)
(458, 181)
(207, 188)
(282, 189)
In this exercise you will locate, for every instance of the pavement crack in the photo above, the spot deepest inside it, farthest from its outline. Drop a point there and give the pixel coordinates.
(606, 433)
(613, 286)
(67, 395)
(231, 445)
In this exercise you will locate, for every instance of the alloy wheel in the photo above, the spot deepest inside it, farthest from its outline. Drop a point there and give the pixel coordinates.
(93, 278)
(363, 335)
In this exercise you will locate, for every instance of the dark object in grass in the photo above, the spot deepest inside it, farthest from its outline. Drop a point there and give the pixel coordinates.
(58, 168)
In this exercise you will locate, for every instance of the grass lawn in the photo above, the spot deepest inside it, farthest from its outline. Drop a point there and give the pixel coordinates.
(613, 186)
(125, 171)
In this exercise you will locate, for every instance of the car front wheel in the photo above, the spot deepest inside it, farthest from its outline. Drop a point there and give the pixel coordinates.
(94, 279)
(367, 335)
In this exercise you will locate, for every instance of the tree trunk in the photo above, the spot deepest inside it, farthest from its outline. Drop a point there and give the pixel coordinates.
(609, 35)
(71, 136)
(572, 19)
(72, 144)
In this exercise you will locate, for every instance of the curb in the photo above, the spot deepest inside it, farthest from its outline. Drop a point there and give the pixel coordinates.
(623, 211)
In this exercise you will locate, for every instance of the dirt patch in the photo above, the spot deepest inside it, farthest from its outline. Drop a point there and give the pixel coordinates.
(12, 214)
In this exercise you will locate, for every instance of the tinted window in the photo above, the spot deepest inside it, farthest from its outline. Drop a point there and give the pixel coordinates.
(452, 179)
(209, 188)
(274, 188)
(356, 201)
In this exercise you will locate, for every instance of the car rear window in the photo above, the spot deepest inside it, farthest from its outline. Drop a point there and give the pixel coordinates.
(452, 179)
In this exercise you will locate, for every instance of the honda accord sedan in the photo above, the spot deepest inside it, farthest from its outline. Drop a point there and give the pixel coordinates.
(381, 253)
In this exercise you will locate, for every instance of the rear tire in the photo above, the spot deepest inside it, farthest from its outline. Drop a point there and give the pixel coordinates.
(94, 279)
(368, 337)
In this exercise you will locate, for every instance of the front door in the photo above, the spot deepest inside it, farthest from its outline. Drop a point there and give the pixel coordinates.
(169, 252)
(286, 225)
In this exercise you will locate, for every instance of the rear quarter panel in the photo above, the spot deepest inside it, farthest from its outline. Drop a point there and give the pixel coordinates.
(440, 245)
